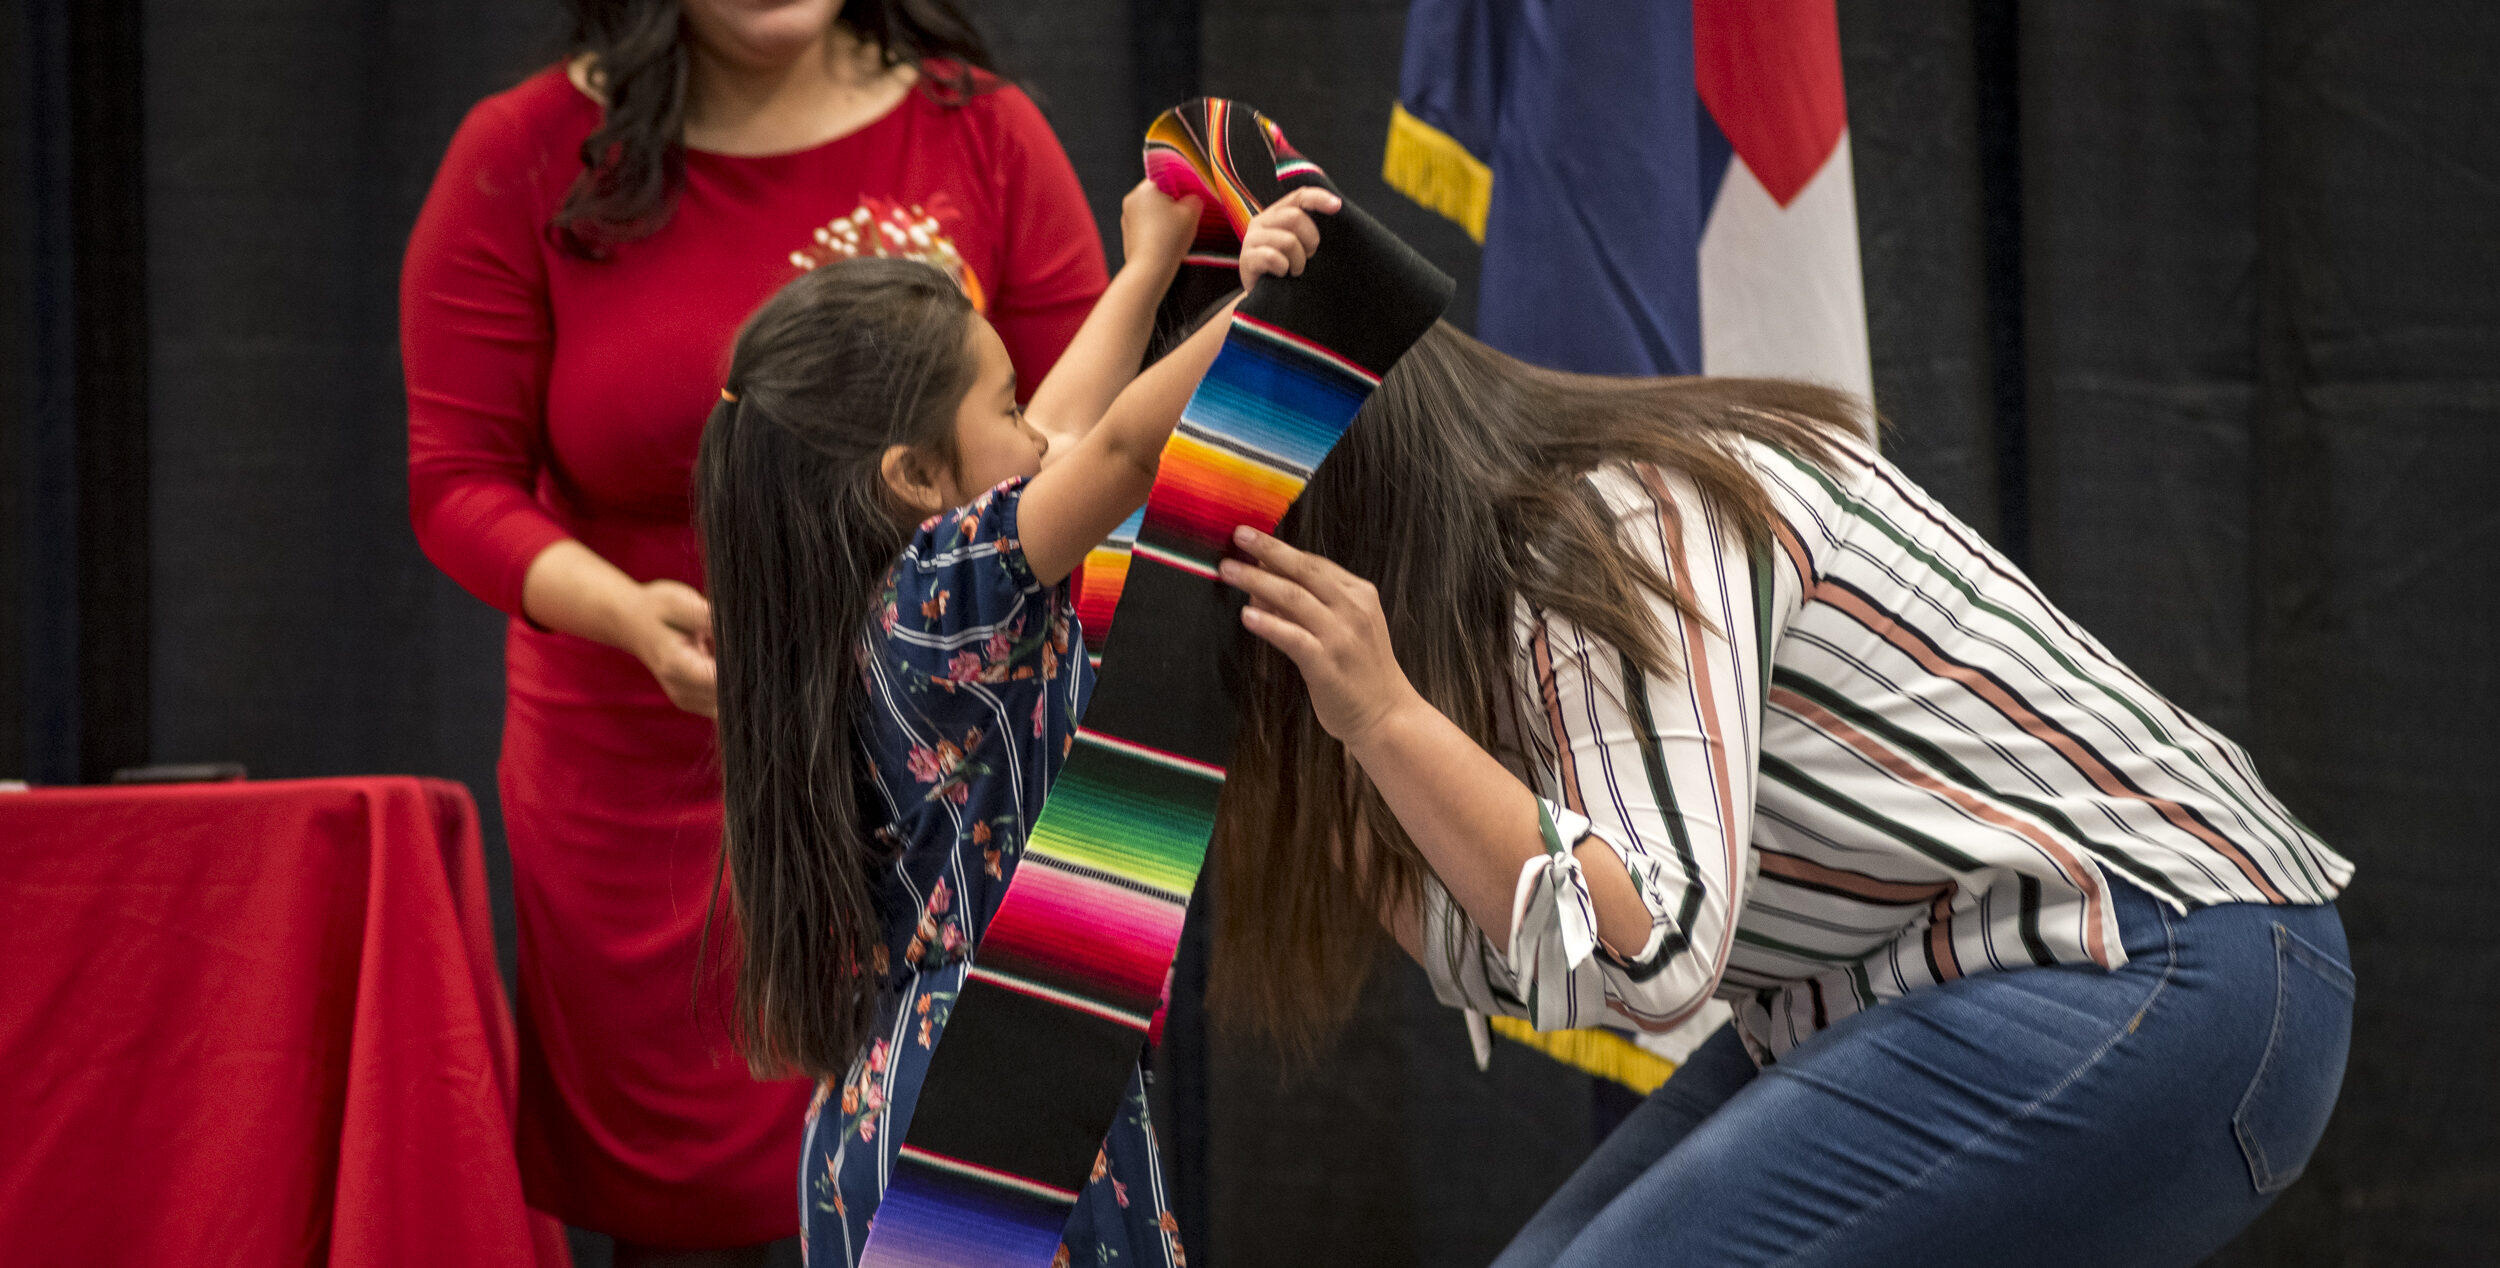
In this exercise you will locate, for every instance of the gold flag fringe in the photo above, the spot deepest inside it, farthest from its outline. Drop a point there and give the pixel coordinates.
(1597, 1052)
(1430, 166)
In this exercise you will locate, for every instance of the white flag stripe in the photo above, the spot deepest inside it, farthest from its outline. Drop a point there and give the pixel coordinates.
(1781, 291)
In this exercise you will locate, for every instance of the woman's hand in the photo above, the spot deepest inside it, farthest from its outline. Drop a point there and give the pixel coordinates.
(1281, 239)
(1329, 622)
(670, 627)
(1475, 821)
(664, 624)
(1155, 230)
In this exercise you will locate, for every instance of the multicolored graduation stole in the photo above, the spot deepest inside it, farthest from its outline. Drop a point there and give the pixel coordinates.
(1065, 985)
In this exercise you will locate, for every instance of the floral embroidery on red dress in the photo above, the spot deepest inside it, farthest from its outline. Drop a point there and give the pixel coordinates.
(879, 227)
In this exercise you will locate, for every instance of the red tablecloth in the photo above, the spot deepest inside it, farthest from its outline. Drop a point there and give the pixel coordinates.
(254, 1024)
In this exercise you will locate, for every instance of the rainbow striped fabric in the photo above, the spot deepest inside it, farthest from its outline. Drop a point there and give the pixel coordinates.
(1067, 979)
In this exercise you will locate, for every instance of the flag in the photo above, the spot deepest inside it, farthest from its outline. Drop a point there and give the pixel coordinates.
(1659, 188)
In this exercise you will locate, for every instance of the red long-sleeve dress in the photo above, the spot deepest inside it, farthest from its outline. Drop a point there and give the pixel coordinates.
(555, 397)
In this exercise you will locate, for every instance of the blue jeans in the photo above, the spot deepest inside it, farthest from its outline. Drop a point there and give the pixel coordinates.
(2041, 1116)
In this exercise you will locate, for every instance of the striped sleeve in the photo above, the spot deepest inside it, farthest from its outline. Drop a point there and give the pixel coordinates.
(1553, 931)
(1658, 768)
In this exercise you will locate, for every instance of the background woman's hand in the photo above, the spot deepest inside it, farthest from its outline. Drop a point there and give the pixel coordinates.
(673, 638)
(1156, 230)
(666, 625)
(1280, 240)
(1329, 622)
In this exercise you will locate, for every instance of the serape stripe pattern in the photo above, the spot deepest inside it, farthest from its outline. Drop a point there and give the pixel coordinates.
(1267, 413)
(1069, 975)
(953, 1213)
(1099, 583)
(1190, 150)
(1097, 902)
(1254, 434)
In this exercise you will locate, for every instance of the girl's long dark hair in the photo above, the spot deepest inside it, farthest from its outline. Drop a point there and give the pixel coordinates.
(633, 161)
(798, 534)
(1457, 492)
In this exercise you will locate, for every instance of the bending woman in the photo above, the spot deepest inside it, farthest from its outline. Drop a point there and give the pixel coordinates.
(1609, 696)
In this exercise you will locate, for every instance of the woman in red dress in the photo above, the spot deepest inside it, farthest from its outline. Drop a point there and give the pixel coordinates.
(565, 328)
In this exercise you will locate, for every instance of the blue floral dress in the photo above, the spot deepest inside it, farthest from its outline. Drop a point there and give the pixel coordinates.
(976, 677)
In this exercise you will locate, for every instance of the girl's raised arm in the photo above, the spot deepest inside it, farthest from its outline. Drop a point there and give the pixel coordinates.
(1102, 358)
(1084, 493)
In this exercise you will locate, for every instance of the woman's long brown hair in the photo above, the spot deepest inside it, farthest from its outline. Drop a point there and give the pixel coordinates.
(1457, 492)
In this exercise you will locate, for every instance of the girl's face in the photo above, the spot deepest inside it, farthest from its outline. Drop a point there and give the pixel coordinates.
(993, 443)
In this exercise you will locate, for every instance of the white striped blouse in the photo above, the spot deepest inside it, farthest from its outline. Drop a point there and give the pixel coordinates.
(1888, 762)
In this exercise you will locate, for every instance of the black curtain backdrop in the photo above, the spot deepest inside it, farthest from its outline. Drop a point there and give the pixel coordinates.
(2193, 304)
(17, 359)
(77, 489)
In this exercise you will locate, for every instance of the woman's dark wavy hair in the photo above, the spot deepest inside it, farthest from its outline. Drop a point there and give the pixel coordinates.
(633, 162)
(1457, 492)
(798, 533)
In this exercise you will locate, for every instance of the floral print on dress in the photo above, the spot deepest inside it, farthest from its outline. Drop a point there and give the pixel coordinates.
(975, 689)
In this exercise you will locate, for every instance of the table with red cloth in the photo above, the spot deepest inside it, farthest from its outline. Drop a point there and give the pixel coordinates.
(255, 1023)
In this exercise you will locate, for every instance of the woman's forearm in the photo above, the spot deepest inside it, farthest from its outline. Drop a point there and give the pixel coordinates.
(667, 625)
(569, 588)
(1101, 359)
(1476, 824)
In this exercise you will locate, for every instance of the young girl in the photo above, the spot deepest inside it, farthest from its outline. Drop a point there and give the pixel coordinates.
(896, 700)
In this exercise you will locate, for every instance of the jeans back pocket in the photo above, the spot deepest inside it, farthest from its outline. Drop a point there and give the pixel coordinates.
(2286, 1106)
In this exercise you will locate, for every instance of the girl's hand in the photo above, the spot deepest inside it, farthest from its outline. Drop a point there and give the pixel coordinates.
(673, 639)
(1328, 621)
(1155, 231)
(1282, 238)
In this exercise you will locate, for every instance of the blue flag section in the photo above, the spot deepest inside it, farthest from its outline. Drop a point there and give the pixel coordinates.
(1586, 117)
(1660, 188)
